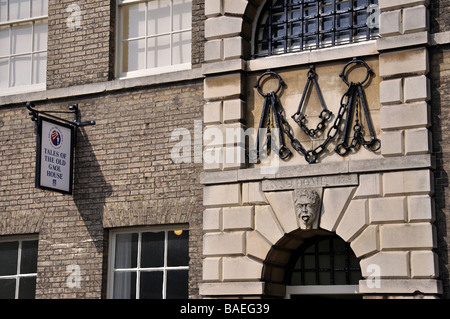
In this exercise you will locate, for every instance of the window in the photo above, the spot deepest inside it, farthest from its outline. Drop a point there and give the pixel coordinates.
(287, 26)
(23, 44)
(154, 36)
(18, 267)
(324, 266)
(150, 265)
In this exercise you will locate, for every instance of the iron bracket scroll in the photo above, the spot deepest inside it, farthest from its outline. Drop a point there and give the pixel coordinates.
(73, 109)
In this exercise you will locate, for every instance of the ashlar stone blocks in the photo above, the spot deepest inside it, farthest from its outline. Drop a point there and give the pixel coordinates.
(267, 225)
(224, 243)
(404, 21)
(391, 91)
(223, 86)
(424, 264)
(354, 220)
(420, 209)
(417, 88)
(391, 264)
(404, 182)
(367, 242)
(213, 8)
(407, 236)
(386, 5)
(238, 218)
(392, 143)
(415, 19)
(408, 115)
(401, 62)
(391, 23)
(241, 268)
(221, 27)
(282, 204)
(334, 204)
(391, 209)
(219, 195)
(417, 141)
(387, 219)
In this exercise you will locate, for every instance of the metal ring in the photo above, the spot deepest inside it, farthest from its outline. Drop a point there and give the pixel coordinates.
(311, 72)
(325, 114)
(341, 149)
(269, 72)
(356, 61)
(374, 145)
(311, 157)
(284, 152)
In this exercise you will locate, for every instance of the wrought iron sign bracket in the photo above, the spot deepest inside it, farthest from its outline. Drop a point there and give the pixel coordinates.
(73, 109)
(55, 143)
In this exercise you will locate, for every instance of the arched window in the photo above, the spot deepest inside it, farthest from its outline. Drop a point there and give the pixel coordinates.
(286, 26)
(324, 266)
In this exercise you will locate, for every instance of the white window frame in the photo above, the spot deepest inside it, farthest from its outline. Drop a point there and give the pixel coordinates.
(146, 71)
(18, 275)
(9, 23)
(138, 269)
(311, 290)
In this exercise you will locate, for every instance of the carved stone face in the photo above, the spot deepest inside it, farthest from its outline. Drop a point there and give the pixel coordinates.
(307, 206)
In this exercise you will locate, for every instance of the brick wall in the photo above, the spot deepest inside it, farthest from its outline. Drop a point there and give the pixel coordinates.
(80, 54)
(198, 32)
(439, 15)
(440, 114)
(124, 176)
(86, 54)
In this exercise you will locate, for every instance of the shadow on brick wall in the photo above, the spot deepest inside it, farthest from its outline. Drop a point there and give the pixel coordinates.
(90, 189)
(440, 116)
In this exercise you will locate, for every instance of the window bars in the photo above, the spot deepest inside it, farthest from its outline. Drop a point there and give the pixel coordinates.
(287, 26)
(324, 260)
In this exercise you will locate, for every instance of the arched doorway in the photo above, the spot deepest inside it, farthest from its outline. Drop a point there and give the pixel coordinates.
(312, 264)
(323, 267)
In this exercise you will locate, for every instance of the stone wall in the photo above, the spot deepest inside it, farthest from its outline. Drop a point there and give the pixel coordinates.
(381, 203)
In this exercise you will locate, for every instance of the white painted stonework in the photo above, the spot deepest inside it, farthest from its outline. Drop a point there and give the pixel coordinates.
(381, 203)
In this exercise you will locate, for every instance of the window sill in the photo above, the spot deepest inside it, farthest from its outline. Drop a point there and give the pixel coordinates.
(101, 87)
(314, 56)
(291, 59)
(23, 89)
(155, 71)
(321, 290)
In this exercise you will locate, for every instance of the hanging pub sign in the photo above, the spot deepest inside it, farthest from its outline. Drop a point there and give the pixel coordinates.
(54, 155)
(55, 143)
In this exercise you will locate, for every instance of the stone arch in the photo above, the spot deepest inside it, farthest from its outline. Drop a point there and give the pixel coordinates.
(229, 28)
(277, 265)
(249, 20)
(278, 225)
(278, 258)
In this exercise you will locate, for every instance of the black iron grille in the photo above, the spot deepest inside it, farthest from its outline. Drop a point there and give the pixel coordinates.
(325, 261)
(287, 26)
